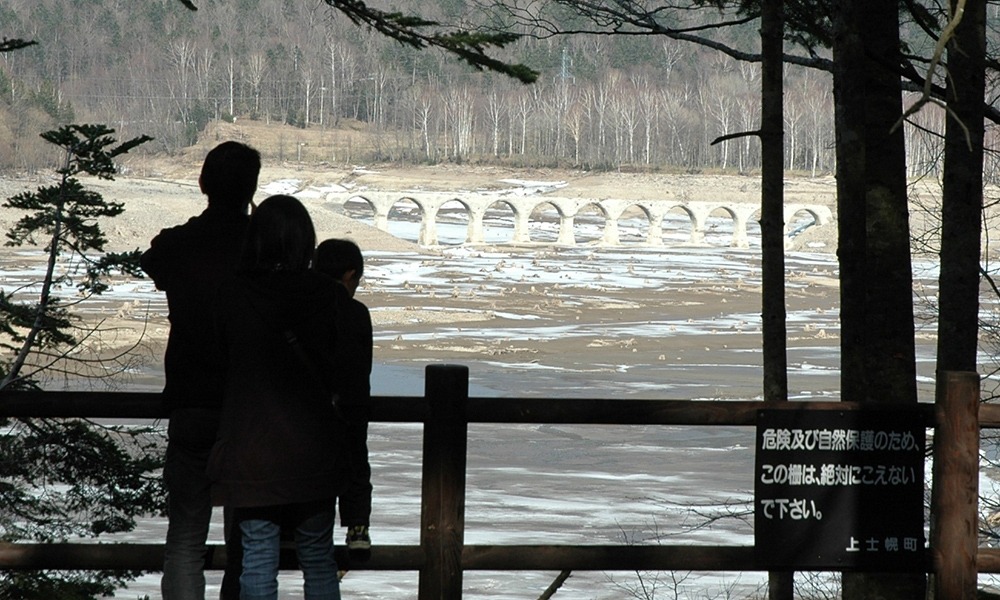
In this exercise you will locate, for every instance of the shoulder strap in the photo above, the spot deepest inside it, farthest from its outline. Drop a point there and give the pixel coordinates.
(306, 360)
(292, 339)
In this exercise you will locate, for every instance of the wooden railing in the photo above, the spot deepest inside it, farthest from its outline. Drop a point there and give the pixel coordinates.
(446, 411)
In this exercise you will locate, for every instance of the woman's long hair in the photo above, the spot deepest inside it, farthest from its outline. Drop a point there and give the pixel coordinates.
(280, 237)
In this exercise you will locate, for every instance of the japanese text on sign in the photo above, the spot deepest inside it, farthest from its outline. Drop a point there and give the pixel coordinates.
(839, 489)
(889, 544)
(837, 440)
(837, 474)
(797, 509)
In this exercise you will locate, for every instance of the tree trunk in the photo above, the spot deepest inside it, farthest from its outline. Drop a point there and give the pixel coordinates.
(891, 361)
(849, 106)
(962, 202)
(877, 345)
(772, 225)
(772, 207)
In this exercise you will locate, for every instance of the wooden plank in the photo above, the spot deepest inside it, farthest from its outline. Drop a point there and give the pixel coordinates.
(148, 405)
(988, 560)
(593, 411)
(955, 493)
(989, 416)
(93, 405)
(442, 511)
(409, 409)
(149, 557)
(609, 558)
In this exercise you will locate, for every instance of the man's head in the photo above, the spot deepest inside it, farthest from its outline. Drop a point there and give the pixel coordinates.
(229, 175)
(342, 260)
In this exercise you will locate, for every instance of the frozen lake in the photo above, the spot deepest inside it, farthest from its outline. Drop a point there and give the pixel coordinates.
(530, 484)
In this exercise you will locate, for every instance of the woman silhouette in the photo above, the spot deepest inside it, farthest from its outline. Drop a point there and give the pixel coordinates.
(276, 460)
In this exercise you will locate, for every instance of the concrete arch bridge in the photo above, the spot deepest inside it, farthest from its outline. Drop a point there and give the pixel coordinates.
(567, 209)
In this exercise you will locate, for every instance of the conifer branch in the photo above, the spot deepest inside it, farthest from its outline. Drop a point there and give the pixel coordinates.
(417, 32)
(411, 31)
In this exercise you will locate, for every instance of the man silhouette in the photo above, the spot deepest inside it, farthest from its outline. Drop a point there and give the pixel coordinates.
(188, 262)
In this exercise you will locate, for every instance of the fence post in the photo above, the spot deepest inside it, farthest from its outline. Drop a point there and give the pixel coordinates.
(955, 491)
(442, 511)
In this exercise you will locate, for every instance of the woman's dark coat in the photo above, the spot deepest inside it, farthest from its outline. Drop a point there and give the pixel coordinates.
(280, 436)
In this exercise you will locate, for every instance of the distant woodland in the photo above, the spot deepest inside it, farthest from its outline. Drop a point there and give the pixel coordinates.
(601, 102)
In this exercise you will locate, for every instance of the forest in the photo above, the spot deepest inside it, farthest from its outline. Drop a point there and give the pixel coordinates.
(600, 102)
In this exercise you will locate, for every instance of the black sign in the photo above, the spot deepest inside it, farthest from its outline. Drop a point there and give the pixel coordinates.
(839, 490)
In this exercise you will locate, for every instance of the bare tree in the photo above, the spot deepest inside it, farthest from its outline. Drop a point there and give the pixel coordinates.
(203, 69)
(627, 109)
(718, 100)
(459, 106)
(818, 103)
(795, 112)
(256, 68)
(574, 125)
(423, 101)
(496, 107)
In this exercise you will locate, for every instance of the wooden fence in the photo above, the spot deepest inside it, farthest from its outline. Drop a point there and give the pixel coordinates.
(446, 411)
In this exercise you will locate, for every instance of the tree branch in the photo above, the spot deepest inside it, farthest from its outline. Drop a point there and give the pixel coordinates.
(470, 47)
(14, 44)
(926, 95)
(733, 136)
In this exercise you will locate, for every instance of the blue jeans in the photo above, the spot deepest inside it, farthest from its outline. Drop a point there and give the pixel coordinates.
(313, 526)
(191, 434)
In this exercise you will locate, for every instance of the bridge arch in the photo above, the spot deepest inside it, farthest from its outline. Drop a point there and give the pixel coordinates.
(737, 221)
(397, 213)
(429, 222)
(687, 220)
(351, 206)
(719, 226)
(537, 214)
(821, 215)
(587, 211)
(633, 224)
(478, 216)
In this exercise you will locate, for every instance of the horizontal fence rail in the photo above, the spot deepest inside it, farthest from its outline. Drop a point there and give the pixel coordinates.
(446, 411)
(149, 557)
(413, 409)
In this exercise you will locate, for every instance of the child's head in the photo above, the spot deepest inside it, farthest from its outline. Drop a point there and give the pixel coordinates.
(229, 175)
(280, 237)
(342, 260)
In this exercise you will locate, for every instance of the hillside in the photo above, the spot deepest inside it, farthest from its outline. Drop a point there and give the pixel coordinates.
(155, 68)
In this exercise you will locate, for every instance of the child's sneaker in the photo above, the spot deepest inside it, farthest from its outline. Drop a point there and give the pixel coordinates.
(359, 543)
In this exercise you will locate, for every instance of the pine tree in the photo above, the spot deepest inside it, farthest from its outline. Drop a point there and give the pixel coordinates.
(62, 479)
